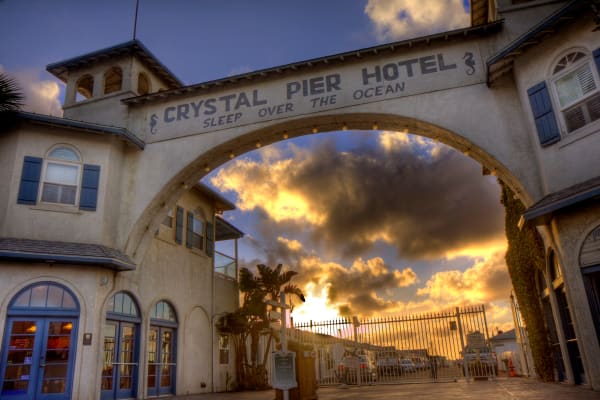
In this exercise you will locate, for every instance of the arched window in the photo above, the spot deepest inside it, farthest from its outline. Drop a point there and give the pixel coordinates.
(84, 88)
(121, 347)
(122, 304)
(143, 84)
(577, 90)
(62, 170)
(47, 295)
(161, 350)
(39, 346)
(163, 312)
(113, 80)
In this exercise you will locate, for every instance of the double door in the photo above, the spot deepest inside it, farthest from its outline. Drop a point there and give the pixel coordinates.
(120, 360)
(161, 361)
(38, 359)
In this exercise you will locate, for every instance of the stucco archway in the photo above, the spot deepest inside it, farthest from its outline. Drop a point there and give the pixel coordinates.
(204, 162)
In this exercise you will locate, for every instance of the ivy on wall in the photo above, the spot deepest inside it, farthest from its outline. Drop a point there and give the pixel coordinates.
(525, 257)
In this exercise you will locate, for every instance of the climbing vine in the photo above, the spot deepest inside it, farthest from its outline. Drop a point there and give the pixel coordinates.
(524, 258)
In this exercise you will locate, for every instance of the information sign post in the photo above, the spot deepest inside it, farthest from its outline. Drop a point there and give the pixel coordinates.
(285, 371)
(284, 360)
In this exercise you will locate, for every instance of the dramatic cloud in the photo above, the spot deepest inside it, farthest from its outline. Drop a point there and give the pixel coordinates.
(371, 288)
(41, 96)
(356, 289)
(486, 281)
(320, 211)
(403, 19)
(423, 198)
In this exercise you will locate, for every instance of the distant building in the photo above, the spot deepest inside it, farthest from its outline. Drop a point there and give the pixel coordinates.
(508, 352)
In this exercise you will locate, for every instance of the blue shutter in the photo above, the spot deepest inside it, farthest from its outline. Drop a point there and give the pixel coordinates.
(545, 121)
(596, 55)
(179, 225)
(210, 241)
(30, 180)
(189, 230)
(89, 187)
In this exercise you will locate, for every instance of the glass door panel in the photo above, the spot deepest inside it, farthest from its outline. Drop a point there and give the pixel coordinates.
(126, 358)
(152, 360)
(55, 362)
(19, 357)
(167, 365)
(110, 333)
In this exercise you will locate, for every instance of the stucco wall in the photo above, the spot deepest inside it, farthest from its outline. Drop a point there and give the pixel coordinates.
(8, 167)
(46, 221)
(575, 157)
(169, 271)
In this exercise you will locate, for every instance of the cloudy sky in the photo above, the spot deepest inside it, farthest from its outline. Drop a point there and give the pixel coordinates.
(376, 223)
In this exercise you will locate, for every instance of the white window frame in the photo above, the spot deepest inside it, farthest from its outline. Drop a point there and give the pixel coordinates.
(49, 160)
(561, 110)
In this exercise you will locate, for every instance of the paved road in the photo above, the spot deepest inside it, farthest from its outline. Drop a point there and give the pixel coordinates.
(502, 389)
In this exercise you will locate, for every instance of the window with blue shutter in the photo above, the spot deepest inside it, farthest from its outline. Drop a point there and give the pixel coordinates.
(89, 187)
(30, 180)
(179, 225)
(545, 121)
(576, 90)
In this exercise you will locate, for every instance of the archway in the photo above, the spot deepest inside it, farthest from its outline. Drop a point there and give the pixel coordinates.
(521, 180)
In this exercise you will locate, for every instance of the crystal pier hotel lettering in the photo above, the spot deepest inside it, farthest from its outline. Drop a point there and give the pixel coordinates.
(347, 87)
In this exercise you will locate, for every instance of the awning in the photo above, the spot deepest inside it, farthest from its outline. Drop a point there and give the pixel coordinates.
(225, 231)
(51, 252)
(542, 211)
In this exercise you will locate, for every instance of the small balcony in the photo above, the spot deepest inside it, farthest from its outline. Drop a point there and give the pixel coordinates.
(226, 251)
(225, 265)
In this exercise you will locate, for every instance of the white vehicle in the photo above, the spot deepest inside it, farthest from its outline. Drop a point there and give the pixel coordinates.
(387, 363)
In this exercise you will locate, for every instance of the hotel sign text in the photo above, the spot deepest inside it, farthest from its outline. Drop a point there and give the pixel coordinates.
(345, 86)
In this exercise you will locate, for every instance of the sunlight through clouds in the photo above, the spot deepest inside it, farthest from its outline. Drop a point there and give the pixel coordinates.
(393, 141)
(416, 195)
(485, 281)
(404, 19)
(269, 190)
(326, 213)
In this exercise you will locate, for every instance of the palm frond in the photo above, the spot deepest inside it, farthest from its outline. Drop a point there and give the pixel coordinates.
(11, 98)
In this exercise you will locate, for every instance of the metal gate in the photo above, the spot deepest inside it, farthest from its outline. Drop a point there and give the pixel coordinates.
(432, 347)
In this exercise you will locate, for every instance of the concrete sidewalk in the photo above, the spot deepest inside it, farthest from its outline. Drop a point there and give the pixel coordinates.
(503, 388)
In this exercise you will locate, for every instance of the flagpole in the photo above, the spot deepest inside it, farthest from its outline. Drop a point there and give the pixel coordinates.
(137, 6)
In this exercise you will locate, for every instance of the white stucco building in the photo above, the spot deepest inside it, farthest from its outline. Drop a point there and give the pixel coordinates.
(80, 318)
(107, 270)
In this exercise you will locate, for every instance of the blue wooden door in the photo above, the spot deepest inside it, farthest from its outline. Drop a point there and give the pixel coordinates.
(38, 356)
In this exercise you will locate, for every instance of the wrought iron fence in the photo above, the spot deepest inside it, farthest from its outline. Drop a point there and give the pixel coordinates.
(426, 347)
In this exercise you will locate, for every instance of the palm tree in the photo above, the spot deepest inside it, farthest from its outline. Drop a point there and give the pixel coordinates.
(252, 320)
(11, 101)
